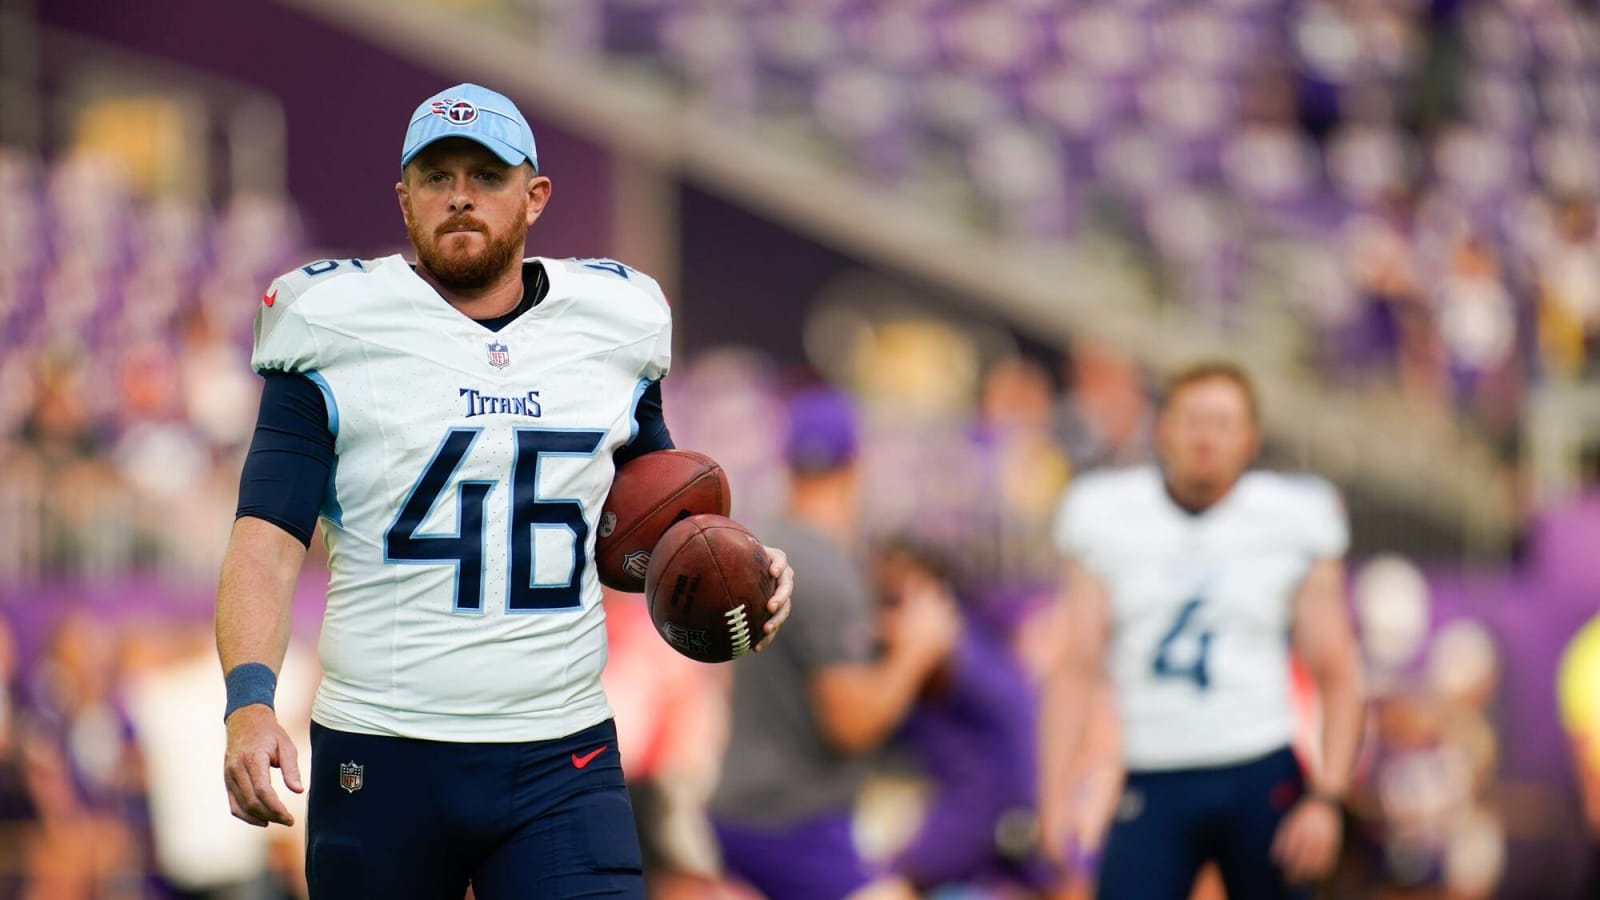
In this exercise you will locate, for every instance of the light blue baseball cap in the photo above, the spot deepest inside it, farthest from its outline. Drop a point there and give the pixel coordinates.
(477, 114)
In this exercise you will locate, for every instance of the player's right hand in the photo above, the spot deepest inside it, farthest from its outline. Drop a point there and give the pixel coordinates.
(257, 743)
(1306, 846)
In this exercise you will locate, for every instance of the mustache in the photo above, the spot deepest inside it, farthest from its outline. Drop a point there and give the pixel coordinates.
(459, 223)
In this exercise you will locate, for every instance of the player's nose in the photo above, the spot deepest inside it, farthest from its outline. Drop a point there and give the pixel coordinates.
(460, 194)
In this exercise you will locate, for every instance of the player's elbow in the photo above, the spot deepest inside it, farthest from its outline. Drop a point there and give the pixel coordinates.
(260, 547)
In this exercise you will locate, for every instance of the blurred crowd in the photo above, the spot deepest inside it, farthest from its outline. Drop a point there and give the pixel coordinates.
(126, 398)
(1411, 184)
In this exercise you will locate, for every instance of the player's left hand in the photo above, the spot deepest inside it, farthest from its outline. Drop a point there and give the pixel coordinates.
(1307, 843)
(778, 604)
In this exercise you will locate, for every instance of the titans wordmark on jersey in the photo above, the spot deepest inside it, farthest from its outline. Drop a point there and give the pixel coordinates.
(1200, 606)
(470, 471)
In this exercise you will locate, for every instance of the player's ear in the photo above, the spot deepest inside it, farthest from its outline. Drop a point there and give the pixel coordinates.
(403, 194)
(538, 196)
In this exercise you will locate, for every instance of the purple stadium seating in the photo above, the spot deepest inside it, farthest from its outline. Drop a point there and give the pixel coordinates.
(1290, 118)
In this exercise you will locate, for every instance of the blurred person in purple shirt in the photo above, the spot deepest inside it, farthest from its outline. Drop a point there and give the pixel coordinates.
(972, 733)
(806, 715)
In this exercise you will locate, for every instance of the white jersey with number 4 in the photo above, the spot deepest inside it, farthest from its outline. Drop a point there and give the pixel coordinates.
(471, 469)
(1200, 606)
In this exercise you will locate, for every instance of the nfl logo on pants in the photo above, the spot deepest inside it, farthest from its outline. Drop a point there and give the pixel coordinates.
(350, 776)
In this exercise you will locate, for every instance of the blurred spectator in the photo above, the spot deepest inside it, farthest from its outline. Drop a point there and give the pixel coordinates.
(972, 733)
(1395, 330)
(1105, 418)
(200, 850)
(1016, 428)
(807, 711)
(1016, 417)
(1478, 324)
(84, 771)
(1569, 291)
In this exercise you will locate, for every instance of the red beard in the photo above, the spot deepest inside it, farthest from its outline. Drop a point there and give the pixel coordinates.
(465, 271)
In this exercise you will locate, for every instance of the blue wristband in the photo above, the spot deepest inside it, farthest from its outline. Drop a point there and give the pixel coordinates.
(249, 683)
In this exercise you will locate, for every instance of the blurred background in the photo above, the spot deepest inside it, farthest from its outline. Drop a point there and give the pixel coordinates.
(995, 223)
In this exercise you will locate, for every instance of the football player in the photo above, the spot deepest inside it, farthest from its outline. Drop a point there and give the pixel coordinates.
(455, 424)
(1187, 586)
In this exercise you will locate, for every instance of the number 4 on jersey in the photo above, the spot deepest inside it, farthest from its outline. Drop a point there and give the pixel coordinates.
(1185, 635)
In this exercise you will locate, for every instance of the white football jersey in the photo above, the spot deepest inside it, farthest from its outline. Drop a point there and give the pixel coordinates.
(470, 472)
(1200, 606)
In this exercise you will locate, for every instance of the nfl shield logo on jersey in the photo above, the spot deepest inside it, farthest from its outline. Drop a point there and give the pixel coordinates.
(350, 776)
(499, 355)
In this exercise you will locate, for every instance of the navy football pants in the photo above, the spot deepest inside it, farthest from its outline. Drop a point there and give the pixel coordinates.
(422, 819)
(1169, 824)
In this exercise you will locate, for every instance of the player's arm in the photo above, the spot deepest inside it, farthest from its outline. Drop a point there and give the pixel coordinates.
(280, 492)
(1075, 693)
(259, 573)
(858, 704)
(1325, 642)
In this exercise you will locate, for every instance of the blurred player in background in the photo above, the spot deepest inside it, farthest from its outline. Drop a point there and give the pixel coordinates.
(455, 423)
(806, 715)
(1181, 584)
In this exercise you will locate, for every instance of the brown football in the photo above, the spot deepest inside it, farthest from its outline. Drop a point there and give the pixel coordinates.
(647, 496)
(708, 586)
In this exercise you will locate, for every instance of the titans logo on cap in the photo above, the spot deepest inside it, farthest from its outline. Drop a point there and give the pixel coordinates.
(456, 112)
(476, 113)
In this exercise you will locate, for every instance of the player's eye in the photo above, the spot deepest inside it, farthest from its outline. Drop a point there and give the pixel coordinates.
(489, 177)
(437, 177)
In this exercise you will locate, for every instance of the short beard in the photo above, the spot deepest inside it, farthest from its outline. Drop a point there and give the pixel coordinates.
(468, 273)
